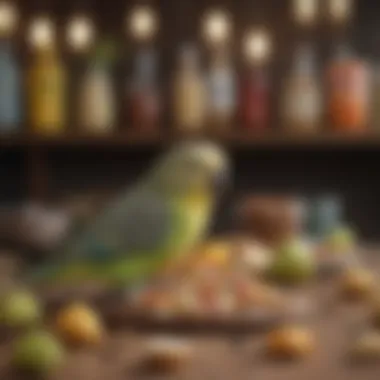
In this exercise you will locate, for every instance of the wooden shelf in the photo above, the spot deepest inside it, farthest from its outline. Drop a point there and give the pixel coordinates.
(67, 140)
(230, 139)
(37, 148)
(294, 141)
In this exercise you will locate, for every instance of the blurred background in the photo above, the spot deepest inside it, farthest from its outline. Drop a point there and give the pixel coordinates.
(91, 92)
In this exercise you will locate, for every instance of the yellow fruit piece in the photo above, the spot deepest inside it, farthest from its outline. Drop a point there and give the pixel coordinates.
(291, 342)
(358, 283)
(80, 325)
(217, 253)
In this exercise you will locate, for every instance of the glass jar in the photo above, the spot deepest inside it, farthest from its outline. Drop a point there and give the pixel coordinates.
(255, 99)
(144, 93)
(302, 96)
(348, 92)
(190, 94)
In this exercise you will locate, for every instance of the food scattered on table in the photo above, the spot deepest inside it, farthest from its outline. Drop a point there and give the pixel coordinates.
(167, 354)
(206, 296)
(293, 342)
(222, 281)
(214, 254)
(366, 346)
(20, 309)
(294, 263)
(80, 325)
(358, 284)
(240, 253)
(39, 352)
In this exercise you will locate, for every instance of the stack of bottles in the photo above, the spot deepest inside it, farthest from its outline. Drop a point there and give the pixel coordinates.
(217, 98)
(50, 95)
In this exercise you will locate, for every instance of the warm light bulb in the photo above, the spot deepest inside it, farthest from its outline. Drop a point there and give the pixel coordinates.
(80, 33)
(8, 18)
(305, 11)
(257, 46)
(143, 23)
(216, 27)
(340, 10)
(41, 33)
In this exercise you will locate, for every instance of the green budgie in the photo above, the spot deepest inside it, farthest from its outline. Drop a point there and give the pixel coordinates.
(161, 217)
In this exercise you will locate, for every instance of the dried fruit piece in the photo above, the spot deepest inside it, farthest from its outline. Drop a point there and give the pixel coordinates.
(217, 253)
(167, 354)
(291, 342)
(80, 325)
(358, 283)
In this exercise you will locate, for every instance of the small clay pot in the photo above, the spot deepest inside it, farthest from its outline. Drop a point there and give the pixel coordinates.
(271, 219)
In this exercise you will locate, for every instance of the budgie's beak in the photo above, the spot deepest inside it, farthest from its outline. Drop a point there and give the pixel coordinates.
(215, 167)
(219, 169)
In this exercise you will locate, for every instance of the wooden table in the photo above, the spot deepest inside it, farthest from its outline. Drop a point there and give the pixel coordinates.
(223, 356)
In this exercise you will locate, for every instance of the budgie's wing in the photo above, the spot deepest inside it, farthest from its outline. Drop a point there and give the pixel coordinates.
(130, 238)
(138, 222)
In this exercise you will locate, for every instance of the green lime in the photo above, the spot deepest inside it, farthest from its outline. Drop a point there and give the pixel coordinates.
(20, 309)
(341, 240)
(38, 351)
(294, 263)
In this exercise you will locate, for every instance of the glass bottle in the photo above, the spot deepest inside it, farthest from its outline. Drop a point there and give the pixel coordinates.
(189, 93)
(302, 96)
(221, 91)
(255, 98)
(348, 92)
(324, 214)
(10, 89)
(144, 93)
(47, 92)
(96, 112)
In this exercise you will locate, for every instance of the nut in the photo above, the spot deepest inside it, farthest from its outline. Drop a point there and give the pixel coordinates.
(80, 325)
(166, 354)
(358, 284)
(291, 342)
